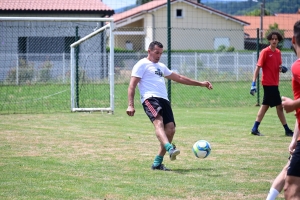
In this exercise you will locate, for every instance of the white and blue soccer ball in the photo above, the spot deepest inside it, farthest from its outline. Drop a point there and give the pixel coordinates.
(201, 149)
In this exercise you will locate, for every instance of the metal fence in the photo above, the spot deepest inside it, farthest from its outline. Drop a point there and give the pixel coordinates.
(35, 67)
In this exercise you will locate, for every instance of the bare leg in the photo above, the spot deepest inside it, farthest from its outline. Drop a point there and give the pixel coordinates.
(169, 131)
(280, 114)
(164, 133)
(261, 113)
(292, 188)
(278, 183)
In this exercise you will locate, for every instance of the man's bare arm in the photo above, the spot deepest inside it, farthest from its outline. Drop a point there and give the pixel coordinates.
(131, 92)
(187, 81)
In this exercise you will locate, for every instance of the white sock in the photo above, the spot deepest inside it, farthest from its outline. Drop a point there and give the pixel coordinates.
(273, 193)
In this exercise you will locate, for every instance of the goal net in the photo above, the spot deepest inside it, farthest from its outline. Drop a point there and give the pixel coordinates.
(41, 58)
(93, 72)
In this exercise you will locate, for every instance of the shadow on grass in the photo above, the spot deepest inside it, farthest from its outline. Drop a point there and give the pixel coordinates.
(183, 171)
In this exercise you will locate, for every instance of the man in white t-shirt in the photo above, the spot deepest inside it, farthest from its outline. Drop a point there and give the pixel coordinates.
(149, 74)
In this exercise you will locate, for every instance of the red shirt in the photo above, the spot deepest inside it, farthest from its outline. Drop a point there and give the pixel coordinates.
(296, 85)
(270, 61)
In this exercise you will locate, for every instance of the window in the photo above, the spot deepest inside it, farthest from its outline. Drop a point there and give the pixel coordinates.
(129, 45)
(22, 41)
(221, 41)
(45, 44)
(179, 13)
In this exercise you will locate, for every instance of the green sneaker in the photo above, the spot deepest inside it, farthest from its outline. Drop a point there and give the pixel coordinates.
(160, 167)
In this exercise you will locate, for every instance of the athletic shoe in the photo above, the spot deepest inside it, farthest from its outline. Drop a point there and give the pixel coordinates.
(160, 167)
(174, 152)
(256, 132)
(289, 133)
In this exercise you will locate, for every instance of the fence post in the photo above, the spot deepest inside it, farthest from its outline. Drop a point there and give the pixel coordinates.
(169, 44)
(17, 71)
(257, 80)
(77, 67)
(64, 66)
(196, 72)
(236, 65)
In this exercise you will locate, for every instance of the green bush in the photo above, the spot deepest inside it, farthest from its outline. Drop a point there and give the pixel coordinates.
(230, 49)
(221, 48)
(23, 73)
(45, 72)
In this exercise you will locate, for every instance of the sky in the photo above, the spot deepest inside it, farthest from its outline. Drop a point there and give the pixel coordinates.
(205, 1)
(116, 4)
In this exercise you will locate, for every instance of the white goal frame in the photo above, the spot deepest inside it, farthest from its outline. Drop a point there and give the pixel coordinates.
(111, 66)
(109, 26)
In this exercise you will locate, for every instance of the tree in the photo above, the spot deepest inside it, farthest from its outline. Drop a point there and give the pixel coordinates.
(274, 27)
(141, 2)
(257, 12)
(247, 6)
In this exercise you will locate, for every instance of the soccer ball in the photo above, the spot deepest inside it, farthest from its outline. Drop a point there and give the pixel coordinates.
(201, 149)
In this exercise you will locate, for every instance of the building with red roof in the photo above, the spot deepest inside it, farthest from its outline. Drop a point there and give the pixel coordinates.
(79, 8)
(44, 39)
(194, 26)
(285, 22)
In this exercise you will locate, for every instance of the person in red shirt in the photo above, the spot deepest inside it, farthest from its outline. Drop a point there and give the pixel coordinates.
(270, 62)
(292, 180)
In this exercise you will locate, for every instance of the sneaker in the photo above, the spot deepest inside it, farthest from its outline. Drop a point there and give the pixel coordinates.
(160, 167)
(289, 133)
(256, 132)
(174, 152)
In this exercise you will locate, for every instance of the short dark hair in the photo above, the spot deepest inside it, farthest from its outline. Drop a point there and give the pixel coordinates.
(152, 44)
(297, 32)
(279, 36)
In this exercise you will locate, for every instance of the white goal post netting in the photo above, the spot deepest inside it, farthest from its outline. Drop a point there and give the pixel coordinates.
(50, 63)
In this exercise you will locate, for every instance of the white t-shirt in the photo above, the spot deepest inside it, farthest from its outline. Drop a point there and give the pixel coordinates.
(152, 83)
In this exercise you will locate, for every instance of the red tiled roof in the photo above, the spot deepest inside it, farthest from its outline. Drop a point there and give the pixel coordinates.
(159, 3)
(284, 21)
(53, 5)
(145, 7)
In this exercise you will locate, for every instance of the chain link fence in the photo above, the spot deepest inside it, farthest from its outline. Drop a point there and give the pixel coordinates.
(35, 66)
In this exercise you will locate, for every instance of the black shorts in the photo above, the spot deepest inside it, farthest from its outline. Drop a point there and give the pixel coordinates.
(294, 168)
(154, 106)
(271, 96)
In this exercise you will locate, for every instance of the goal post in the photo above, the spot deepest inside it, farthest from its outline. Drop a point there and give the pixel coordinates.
(56, 55)
(75, 106)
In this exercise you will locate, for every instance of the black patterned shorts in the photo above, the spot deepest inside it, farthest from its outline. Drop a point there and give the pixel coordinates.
(154, 106)
(294, 168)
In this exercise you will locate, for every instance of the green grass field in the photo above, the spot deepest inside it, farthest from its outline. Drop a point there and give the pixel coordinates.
(104, 156)
(55, 98)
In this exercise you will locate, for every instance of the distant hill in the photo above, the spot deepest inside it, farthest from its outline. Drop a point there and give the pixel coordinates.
(241, 7)
(125, 8)
(214, 1)
(238, 7)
